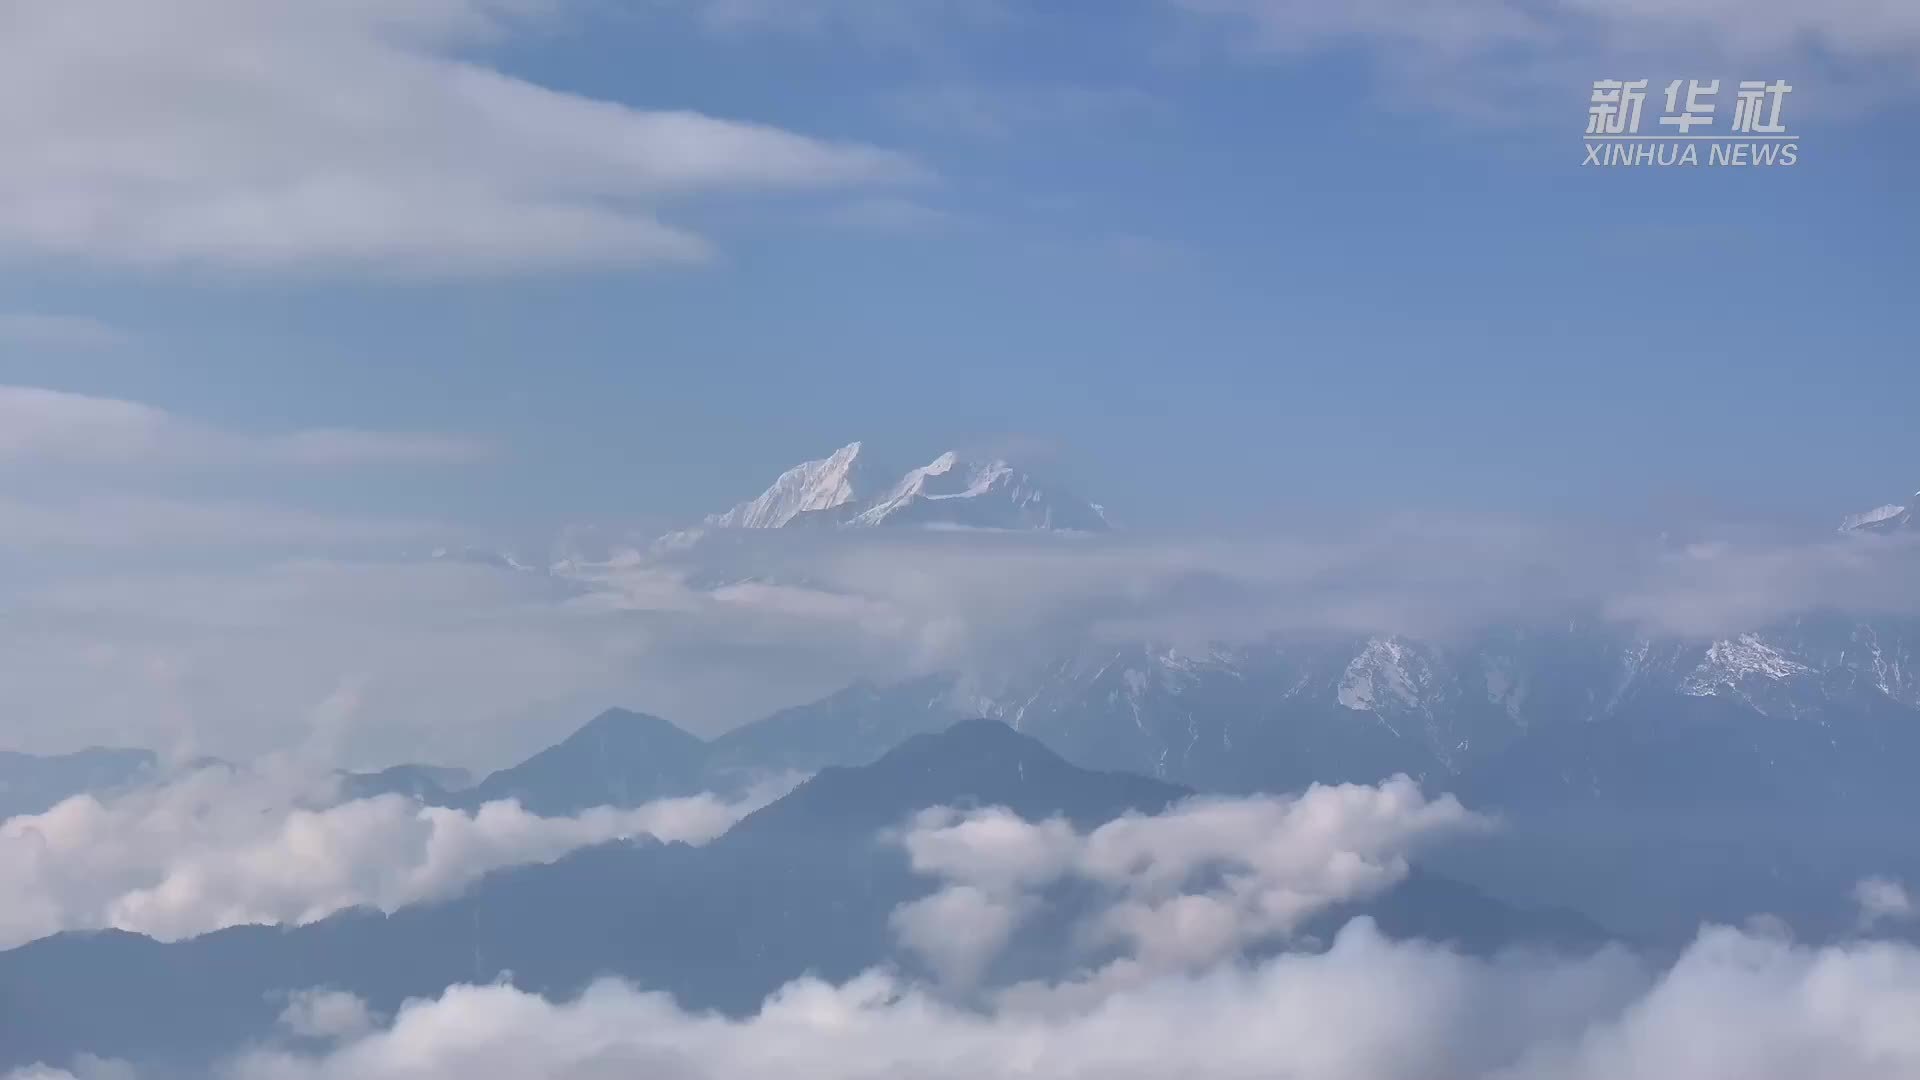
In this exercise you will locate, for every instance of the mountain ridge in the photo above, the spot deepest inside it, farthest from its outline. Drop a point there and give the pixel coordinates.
(618, 758)
(846, 489)
(34, 783)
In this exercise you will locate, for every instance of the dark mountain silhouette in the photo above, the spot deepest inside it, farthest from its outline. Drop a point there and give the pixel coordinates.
(972, 763)
(620, 758)
(32, 784)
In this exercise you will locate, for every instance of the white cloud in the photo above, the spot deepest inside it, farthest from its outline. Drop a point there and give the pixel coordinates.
(1883, 900)
(42, 426)
(1716, 589)
(973, 594)
(326, 1014)
(959, 930)
(1186, 888)
(39, 330)
(272, 134)
(87, 1067)
(1733, 1007)
(216, 848)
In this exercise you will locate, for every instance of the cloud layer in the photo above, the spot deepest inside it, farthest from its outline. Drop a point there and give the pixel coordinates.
(1735, 1006)
(217, 848)
(231, 658)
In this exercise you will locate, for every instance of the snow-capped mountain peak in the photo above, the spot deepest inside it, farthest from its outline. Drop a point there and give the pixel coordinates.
(1889, 518)
(831, 482)
(1732, 665)
(948, 491)
(1386, 672)
(980, 494)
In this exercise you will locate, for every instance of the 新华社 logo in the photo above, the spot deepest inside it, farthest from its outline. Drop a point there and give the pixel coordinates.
(1689, 129)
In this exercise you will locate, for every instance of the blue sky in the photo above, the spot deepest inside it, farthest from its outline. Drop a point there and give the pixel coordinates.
(1202, 278)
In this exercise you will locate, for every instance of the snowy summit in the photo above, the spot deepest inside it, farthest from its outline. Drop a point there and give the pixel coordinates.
(812, 487)
(846, 489)
(1888, 518)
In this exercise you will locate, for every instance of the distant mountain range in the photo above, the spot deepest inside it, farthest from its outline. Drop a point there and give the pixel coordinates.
(31, 783)
(620, 758)
(1816, 709)
(1756, 747)
(801, 886)
(625, 758)
(1819, 711)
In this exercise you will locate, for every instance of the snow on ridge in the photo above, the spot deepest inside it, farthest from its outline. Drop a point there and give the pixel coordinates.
(1881, 518)
(950, 491)
(1377, 674)
(830, 482)
(937, 481)
(1730, 662)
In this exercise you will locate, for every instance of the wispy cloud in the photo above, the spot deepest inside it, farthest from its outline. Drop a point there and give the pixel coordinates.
(1491, 60)
(1883, 900)
(358, 135)
(45, 331)
(326, 1014)
(42, 426)
(457, 660)
(230, 655)
(123, 522)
